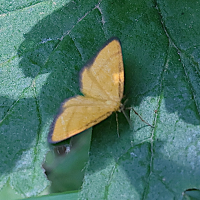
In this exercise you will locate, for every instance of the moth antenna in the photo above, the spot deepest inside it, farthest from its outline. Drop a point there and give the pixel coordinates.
(140, 117)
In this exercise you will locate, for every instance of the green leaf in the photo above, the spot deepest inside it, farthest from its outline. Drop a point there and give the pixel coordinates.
(161, 60)
(61, 196)
(44, 46)
(192, 194)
